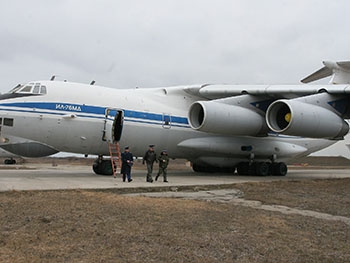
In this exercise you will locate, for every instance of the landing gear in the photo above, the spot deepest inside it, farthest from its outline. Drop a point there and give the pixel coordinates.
(102, 167)
(212, 169)
(279, 169)
(250, 167)
(199, 168)
(262, 168)
(255, 168)
(10, 161)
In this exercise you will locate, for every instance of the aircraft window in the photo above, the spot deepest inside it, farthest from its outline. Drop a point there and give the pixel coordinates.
(26, 89)
(29, 89)
(43, 90)
(37, 85)
(0, 121)
(36, 89)
(8, 122)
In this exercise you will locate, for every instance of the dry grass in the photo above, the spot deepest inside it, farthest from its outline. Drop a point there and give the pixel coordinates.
(89, 226)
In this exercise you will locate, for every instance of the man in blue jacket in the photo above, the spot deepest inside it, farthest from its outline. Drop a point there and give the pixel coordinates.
(127, 162)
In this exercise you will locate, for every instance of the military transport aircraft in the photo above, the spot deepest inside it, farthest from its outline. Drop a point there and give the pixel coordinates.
(254, 129)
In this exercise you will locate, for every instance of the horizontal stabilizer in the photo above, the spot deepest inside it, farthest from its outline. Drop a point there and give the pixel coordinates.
(340, 72)
(319, 74)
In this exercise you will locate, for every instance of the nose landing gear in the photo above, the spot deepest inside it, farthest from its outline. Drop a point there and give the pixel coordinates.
(102, 167)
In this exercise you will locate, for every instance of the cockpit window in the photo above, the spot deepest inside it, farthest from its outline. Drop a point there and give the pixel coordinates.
(26, 89)
(36, 89)
(32, 88)
(43, 89)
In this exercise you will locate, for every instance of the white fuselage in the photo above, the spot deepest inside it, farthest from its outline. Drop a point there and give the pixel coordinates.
(79, 118)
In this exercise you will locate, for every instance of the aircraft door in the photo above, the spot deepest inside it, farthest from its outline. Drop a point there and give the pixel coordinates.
(113, 125)
(166, 121)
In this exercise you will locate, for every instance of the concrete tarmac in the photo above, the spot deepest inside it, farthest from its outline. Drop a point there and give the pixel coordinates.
(46, 177)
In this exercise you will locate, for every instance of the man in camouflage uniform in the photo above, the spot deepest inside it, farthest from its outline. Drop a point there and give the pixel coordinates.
(150, 157)
(163, 164)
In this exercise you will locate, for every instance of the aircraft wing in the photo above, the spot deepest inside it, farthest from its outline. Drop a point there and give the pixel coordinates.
(340, 72)
(216, 91)
(314, 111)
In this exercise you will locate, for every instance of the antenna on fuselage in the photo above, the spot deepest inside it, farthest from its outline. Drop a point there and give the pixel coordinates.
(92, 82)
(53, 77)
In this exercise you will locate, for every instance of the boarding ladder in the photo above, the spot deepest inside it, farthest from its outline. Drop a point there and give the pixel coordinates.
(114, 152)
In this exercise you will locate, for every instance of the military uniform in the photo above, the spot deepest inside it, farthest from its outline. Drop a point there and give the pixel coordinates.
(127, 161)
(163, 165)
(150, 157)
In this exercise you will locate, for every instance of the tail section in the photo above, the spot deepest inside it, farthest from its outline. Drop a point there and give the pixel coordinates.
(340, 72)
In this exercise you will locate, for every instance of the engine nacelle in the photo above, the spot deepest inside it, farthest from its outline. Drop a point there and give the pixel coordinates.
(215, 117)
(297, 118)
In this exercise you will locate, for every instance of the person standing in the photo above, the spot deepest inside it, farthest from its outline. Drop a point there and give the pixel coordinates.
(163, 160)
(127, 162)
(150, 157)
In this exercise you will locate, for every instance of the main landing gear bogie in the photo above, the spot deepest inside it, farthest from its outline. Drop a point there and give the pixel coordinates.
(262, 168)
(212, 169)
(246, 168)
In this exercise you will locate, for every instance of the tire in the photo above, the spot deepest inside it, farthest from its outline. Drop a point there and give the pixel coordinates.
(10, 161)
(243, 168)
(103, 167)
(262, 169)
(280, 169)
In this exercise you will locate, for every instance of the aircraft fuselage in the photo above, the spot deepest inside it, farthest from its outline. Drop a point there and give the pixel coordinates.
(81, 118)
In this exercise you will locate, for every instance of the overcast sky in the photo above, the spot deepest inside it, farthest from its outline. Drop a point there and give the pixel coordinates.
(124, 44)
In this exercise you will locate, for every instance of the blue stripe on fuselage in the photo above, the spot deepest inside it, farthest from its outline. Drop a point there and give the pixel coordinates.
(81, 110)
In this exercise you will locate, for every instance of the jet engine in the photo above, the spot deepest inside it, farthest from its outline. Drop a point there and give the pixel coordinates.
(292, 117)
(216, 117)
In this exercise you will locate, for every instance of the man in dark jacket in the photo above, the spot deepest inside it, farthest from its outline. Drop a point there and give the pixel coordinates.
(127, 162)
(150, 157)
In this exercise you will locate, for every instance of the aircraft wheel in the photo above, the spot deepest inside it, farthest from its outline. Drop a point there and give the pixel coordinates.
(102, 167)
(228, 170)
(203, 169)
(279, 169)
(10, 161)
(262, 169)
(197, 168)
(212, 169)
(244, 168)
